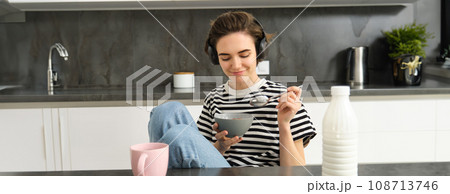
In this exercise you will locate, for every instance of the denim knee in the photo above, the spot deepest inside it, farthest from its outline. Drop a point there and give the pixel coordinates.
(169, 108)
(166, 116)
(189, 149)
(178, 135)
(181, 143)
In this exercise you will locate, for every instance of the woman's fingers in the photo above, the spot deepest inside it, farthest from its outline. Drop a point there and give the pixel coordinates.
(221, 135)
(292, 97)
(296, 90)
(234, 140)
(290, 101)
(215, 127)
(291, 107)
(283, 98)
(282, 106)
(289, 97)
(289, 104)
(225, 142)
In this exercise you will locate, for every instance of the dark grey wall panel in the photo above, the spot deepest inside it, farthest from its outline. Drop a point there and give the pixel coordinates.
(105, 47)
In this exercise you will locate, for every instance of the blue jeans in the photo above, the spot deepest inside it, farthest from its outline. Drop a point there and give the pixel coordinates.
(171, 123)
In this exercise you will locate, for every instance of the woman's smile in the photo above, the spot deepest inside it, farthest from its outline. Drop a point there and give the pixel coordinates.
(239, 73)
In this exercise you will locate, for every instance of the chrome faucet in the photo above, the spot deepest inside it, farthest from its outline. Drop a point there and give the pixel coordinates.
(52, 77)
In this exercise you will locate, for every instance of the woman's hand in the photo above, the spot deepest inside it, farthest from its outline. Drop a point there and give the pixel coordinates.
(289, 104)
(224, 143)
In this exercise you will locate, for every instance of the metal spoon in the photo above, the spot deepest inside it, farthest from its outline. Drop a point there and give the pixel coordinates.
(259, 101)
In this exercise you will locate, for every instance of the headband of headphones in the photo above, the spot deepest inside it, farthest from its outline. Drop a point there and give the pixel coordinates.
(260, 47)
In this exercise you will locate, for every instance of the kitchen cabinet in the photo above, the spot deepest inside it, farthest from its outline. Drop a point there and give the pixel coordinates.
(100, 137)
(85, 138)
(399, 130)
(70, 5)
(391, 129)
(23, 140)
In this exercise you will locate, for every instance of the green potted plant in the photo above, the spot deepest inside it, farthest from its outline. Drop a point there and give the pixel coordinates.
(406, 49)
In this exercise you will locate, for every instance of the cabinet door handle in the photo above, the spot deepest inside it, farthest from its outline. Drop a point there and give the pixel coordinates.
(48, 139)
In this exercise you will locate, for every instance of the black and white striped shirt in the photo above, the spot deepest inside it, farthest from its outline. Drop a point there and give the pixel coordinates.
(260, 144)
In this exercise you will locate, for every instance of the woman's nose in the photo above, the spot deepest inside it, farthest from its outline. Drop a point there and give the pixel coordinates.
(236, 63)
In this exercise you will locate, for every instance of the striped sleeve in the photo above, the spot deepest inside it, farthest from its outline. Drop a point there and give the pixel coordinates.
(302, 127)
(206, 120)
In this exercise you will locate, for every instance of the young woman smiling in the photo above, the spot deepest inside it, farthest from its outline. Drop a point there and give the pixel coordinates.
(280, 130)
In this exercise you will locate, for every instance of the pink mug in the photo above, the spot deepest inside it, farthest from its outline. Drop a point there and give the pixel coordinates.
(149, 159)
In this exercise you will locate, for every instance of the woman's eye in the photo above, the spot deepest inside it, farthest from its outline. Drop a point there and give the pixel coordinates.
(225, 59)
(245, 56)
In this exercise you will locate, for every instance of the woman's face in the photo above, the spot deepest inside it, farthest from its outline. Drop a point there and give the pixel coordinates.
(237, 57)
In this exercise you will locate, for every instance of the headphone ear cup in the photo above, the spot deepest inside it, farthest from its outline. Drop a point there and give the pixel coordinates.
(213, 55)
(261, 48)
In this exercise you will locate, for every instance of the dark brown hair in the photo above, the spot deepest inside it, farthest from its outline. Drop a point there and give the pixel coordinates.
(234, 21)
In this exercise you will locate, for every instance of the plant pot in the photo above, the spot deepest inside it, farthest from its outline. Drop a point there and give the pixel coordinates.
(407, 70)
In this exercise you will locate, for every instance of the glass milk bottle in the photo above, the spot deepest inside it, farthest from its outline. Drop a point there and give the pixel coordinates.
(340, 133)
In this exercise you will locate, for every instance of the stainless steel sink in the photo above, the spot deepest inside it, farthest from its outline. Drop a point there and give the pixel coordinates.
(4, 87)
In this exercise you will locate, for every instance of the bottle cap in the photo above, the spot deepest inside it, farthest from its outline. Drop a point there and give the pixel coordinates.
(340, 90)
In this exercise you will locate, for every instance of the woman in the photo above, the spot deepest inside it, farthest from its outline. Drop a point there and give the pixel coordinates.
(280, 130)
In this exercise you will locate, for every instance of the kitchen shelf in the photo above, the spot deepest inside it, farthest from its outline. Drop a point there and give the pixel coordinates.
(73, 5)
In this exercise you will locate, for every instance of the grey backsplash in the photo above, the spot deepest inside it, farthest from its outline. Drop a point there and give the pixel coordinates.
(107, 46)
